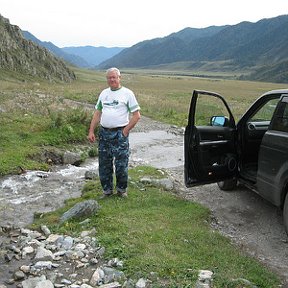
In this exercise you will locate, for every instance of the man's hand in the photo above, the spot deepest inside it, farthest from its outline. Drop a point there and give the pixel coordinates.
(134, 119)
(125, 131)
(95, 120)
(91, 137)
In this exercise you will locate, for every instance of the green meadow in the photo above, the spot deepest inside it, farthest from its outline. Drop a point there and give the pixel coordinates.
(37, 114)
(155, 231)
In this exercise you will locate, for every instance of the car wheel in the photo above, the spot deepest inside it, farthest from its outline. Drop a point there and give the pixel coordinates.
(227, 185)
(285, 214)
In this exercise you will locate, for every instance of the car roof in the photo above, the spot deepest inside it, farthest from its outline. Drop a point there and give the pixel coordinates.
(277, 91)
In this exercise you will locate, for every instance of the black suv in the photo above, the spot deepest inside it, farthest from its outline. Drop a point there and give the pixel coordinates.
(253, 152)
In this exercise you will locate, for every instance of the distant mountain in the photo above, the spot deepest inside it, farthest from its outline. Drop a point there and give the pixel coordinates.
(72, 59)
(82, 56)
(172, 48)
(260, 48)
(243, 46)
(25, 57)
(93, 55)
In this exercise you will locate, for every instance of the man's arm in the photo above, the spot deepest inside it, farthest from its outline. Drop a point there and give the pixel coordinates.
(94, 122)
(133, 121)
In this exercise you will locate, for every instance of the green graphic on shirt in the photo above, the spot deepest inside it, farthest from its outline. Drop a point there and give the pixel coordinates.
(114, 103)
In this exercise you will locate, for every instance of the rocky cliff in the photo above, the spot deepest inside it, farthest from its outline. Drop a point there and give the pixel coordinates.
(23, 56)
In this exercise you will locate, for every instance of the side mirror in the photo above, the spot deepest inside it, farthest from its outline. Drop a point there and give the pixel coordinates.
(219, 121)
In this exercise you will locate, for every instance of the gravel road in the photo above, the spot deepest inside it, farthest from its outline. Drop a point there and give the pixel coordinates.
(249, 221)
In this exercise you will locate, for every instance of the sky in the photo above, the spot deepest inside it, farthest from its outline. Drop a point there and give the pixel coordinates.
(123, 23)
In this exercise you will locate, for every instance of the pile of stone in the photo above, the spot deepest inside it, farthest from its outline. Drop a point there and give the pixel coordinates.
(43, 260)
(34, 259)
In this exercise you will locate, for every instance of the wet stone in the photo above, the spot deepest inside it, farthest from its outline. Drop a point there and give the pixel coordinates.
(91, 175)
(19, 275)
(72, 158)
(45, 230)
(43, 253)
(82, 209)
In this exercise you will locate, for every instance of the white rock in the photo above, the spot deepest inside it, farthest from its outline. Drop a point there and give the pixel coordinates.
(97, 277)
(205, 275)
(27, 250)
(43, 265)
(44, 284)
(141, 283)
(53, 238)
(43, 253)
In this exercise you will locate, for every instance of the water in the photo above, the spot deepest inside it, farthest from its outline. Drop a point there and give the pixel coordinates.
(159, 149)
(39, 191)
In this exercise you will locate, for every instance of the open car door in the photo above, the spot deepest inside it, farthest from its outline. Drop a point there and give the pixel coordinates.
(210, 140)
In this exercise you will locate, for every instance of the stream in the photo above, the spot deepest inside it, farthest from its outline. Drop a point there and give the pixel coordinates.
(38, 191)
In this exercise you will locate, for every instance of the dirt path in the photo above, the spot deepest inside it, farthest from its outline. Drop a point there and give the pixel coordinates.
(251, 222)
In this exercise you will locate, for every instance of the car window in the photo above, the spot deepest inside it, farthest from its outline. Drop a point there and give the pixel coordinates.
(266, 112)
(208, 106)
(280, 121)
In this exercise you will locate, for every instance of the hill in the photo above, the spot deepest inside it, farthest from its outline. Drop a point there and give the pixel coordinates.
(245, 46)
(24, 57)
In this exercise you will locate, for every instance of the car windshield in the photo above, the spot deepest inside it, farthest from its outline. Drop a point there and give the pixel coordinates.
(265, 113)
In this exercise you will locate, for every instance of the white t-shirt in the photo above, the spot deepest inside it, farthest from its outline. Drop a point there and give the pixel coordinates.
(115, 106)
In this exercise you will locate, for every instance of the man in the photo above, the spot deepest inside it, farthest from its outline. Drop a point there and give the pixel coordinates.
(113, 109)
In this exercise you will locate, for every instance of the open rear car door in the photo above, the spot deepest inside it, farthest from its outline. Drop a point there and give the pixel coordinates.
(210, 140)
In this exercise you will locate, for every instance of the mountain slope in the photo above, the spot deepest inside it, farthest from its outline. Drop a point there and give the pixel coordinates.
(23, 56)
(83, 56)
(245, 42)
(244, 46)
(160, 50)
(69, 57)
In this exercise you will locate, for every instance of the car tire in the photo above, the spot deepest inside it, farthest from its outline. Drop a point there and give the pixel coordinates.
(285, 214)
(227, 185)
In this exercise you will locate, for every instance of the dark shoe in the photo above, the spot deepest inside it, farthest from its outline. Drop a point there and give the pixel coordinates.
(106, 196)
(122, 195)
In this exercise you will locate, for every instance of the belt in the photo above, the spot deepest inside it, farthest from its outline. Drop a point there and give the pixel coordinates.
(113, 129)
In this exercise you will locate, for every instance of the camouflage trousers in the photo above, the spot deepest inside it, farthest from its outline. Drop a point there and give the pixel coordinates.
(113, 151)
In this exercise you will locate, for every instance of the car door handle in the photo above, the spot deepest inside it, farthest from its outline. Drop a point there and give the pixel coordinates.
(211, 143)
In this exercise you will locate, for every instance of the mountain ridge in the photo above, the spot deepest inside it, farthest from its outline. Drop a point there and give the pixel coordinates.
(72, 59)
(259, 49)
(19, 55)
(81, 56)
(245, 45)
(91, 54)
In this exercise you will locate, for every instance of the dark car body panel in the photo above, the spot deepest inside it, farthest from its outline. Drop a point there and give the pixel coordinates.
(255, 151)
(208, 146)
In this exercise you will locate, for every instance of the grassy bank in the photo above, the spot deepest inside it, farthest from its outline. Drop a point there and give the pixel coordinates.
(155, 231)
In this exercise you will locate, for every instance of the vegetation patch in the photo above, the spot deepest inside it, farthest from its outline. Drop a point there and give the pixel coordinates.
(155, 231)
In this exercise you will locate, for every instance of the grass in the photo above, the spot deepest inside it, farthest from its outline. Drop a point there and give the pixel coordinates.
(23, 137)
(154, 231)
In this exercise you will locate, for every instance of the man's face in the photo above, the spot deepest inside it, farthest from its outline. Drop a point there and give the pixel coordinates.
(113, 80)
